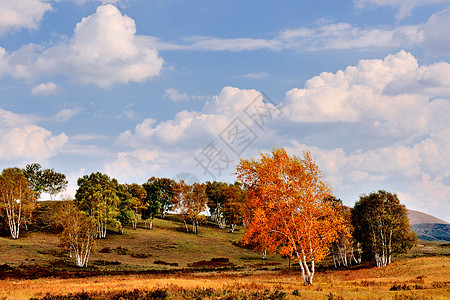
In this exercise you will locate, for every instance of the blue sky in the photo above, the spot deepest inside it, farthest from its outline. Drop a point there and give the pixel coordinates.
(157, 88)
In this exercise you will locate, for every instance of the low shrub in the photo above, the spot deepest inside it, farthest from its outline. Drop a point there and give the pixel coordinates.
(172, 293)
(105, 250)
(102, 262)
(122, 250)
(141, 255)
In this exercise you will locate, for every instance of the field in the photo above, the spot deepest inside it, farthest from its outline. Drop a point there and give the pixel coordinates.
(168, 263)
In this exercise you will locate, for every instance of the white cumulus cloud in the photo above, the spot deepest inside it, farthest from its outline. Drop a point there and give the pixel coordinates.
(17, 14)
(390, 96)
(21, 139)
(103, 51)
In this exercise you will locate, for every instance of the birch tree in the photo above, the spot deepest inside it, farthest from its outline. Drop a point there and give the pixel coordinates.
(79, 232)
(214, 192)
(165, 186)
(288, 195)
(47, 180)
(150, 202)
(345, 250)
(190, 201)
(138, 195)
(382, 227)
(125, 214)
(233, 205)
(96, 195)
(17, 201)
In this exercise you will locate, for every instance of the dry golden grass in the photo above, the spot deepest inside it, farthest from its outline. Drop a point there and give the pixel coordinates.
(422, 273)
(420, 278)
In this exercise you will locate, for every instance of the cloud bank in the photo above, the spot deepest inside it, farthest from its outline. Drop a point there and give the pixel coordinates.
(392, 113)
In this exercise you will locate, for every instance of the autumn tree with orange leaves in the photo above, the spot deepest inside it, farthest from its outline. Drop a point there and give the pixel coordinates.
(287, 208)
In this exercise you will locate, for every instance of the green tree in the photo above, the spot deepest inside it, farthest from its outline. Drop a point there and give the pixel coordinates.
(36, 181)
(54, 182)
(151, 202)
(125, 213)
(16, 199)
(382, 227)
(96, 195)
(165, 197)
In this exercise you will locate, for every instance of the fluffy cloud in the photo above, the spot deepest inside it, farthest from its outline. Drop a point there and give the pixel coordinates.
(102, 51)
(418, 174)
(392, 131)
(21, 139)
(19, 14)
(189, 126)
(140, 164)
(391, 97)
(436, 33)
(47, 88)
(176, 142)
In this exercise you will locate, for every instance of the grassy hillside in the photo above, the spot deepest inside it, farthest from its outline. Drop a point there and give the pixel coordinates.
(168, 261)
(167, 244)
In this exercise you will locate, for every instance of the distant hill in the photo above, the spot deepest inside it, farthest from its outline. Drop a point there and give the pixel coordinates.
(417, 217)
(429, 228)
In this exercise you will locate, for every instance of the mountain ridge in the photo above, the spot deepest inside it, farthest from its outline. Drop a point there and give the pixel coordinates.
(428, 227)
(418, 217)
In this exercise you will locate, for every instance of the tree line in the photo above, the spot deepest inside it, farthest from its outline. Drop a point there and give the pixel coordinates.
(283, 201)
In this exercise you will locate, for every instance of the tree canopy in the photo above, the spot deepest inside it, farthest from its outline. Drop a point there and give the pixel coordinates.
(166, 187)
(382, 227)
(54, 182)
(190, 201)
(97, 196)
(47, 180)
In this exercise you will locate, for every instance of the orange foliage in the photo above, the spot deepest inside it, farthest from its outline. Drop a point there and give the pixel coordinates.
(288, 209)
